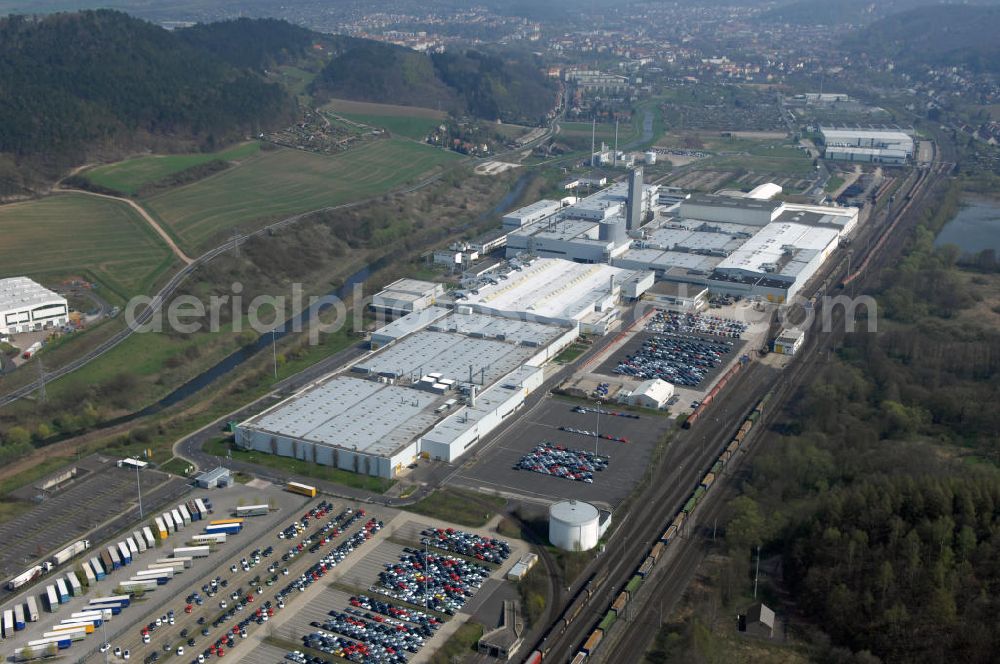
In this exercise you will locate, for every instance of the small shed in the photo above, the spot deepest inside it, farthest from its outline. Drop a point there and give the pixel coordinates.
(758, 621)
(219, 477)
(653, 393)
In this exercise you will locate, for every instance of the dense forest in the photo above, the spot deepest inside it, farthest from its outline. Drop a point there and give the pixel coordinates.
(251, 43)
(878, 487)
(483, 85)
(72, 85)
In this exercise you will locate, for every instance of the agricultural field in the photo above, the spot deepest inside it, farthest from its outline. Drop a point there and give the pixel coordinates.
(284, 182)
(129, 175)
(75, 234)
(408, 121)
(577, 134)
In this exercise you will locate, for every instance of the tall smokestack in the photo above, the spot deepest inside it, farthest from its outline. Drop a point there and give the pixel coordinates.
(634, 207)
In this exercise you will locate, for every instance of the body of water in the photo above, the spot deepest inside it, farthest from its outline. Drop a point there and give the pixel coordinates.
(975, 227)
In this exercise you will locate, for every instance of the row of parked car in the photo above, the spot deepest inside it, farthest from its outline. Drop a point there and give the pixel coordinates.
(675, 360)
(559, 461)
(438, 582)
(673, 321)
(594, 434)
(490, 549)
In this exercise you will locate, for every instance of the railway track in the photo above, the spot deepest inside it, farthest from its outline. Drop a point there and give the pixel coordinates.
(658, 506)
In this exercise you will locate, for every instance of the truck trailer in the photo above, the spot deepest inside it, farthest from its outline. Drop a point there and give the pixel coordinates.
(8, 623)
(168, 519)
(253, 510)
(19, 621)
(133, 548)
(133, 585)
(202, 507)
(227, 528)
(75, 587)
(98, 567)
(213, 538)
(52, 599)
(192, 551)
(32, 606)
(88, 572)
(116, 561)
(125, 553)
(63, 589)
(73, 549)
(185, 515)
(25, 577)
(161, 528)
(178, 519)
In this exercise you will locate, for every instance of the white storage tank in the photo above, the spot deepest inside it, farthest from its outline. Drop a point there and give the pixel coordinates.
(574, 525)
(649, 157)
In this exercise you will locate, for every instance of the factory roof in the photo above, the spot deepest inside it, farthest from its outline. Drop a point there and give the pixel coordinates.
(542, 206)
(741, 202)
(780, 248)
(429, 351)
(692, 241)
(886, 133)
(23, 293)
(550, 288)
(487, 402)
(657, 259)
(675, 289)
(564, 229)
(817, 216)
(655, 389)
(411, 322)
(764, 192)
(512, 330)
(877, 152)
(352, 413)
(409, 290)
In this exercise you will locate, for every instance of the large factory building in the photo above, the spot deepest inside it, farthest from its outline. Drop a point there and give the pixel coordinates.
(440, 378)
(26, 305)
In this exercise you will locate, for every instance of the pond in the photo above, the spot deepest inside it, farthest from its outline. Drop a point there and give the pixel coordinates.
(975, 227)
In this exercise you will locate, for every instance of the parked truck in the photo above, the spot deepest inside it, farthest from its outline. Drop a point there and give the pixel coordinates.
(161, 528)
(19, 617)
(63, 588)
(25, 577)
(147, 532)
(75, 587)
(139, 540)
(185, 515)
(88, 572)
(51, 598)
(253, 510)
(73, 549)
(125, 553)
(192, 551)
(98, 567)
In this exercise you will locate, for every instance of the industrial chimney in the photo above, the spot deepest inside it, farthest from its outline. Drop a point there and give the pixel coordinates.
(634, 208)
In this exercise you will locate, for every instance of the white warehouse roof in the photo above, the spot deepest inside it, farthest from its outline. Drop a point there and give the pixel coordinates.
(550, 288)
(764, 192)
(17, 293)
(654, 389)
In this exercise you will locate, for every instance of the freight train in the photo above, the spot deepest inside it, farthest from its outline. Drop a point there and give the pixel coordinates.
(622, 599)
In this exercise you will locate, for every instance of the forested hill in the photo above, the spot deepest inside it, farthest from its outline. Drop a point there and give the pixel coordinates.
(251, 43)
(74, 83)
(483, 85)
(962, 35)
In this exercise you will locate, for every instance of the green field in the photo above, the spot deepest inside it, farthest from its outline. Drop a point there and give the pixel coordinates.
(410, 127)
(129, 175)
(801, 165)
(277, 184)
(79, 234)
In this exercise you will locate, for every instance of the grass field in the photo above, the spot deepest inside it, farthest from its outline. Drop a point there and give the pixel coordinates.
(129, 175)
(299, 467)
(466, 508)
(800, 165)
(276, 184)
(410, 127)
(79, 234)
(341, 106)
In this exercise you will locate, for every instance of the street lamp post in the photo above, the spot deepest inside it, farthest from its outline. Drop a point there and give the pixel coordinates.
(138, 487)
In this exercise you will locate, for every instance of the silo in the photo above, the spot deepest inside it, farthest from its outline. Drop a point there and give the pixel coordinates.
(574, 525)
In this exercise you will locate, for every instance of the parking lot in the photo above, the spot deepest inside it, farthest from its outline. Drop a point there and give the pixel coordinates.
(100, 491)
(685, 348)
(495, 468)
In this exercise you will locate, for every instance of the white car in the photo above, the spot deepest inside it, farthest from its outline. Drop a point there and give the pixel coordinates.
(201, 659)
(106, 647)
(145, 638)
(126, 654)
(118, 651)
(180, 650)
(222, 604)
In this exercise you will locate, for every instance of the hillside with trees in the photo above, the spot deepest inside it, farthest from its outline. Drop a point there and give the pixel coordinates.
(877, 487)
(484, 85)
(77, 86)
(962, 35)
(252, 43)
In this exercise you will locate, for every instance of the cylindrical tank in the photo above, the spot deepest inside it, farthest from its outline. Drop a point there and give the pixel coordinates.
(574, 525)
(650, 157)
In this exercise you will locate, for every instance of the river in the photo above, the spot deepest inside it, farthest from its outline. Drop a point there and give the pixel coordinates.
(976, 226)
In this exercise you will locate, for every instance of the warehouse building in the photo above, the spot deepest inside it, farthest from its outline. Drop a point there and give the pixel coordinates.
(406, 295)
(866, 144)
(26, 306)
(788, 341)
(441, 381)
(559, 292)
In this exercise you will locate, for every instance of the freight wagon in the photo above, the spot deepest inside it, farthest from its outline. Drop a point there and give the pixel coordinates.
(594, 640)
